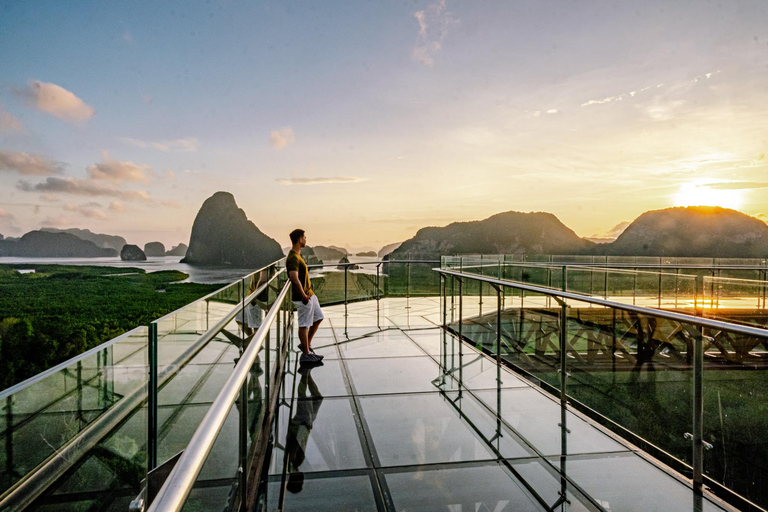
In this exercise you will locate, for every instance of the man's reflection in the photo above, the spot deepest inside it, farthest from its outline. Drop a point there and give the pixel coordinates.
(253, 313)
(307, 406)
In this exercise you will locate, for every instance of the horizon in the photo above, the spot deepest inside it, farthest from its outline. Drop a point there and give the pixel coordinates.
(610, 236)
(365, 123)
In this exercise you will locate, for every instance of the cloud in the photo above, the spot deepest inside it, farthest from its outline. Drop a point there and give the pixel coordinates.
(89, 210)
(282, 137)
(170, 204)
(80, 187)
(434, 23)
(5, 215)
(117, 206)
(29, 165)
(8, 123)
(49, 198)
(738, 185)
(117, 170)
(57, 101)
(552, 111)
(319, 181)
(127, 36)
(187, 145)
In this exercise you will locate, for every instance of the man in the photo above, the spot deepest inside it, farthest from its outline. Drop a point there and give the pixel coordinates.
(310, 314)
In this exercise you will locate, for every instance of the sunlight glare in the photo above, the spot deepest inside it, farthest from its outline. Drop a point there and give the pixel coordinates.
(696, 194)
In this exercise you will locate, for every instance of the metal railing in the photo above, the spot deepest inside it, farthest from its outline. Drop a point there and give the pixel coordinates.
(51, 468)
(179, 483)
(702, 331)
(382, 287)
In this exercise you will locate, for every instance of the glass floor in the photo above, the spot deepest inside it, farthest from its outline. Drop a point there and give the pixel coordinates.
(380, 426)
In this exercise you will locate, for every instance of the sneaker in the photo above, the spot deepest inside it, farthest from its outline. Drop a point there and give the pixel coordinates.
(309, 359)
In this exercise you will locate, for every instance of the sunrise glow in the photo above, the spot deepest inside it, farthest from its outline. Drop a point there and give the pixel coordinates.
(693, 194)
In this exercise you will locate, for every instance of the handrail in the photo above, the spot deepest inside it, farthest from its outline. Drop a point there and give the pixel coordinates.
(669, 315)
(177, 487)
(23, 492)
(618, 265)
(587, 268)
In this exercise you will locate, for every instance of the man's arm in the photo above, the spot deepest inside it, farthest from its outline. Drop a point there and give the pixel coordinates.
(293, 275)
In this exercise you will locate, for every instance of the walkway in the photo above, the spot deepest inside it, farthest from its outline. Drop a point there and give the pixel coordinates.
(381, 427)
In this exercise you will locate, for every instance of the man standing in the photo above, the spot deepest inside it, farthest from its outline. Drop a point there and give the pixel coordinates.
(310, 314)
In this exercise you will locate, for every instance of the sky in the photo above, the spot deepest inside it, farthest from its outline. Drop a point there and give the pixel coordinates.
(363, 121)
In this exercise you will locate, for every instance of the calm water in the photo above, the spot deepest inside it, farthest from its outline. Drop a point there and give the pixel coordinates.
(196, 274)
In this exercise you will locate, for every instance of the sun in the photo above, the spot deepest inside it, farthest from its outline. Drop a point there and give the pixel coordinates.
(698, 194)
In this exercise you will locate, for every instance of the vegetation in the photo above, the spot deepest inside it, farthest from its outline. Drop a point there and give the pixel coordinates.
(57, 312)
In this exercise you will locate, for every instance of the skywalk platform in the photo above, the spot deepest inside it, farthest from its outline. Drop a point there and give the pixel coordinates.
(395, 420)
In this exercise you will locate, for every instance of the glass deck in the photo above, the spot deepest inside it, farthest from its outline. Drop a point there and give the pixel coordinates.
(380, 426)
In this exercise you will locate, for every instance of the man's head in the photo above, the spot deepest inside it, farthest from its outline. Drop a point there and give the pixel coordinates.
(298, 236)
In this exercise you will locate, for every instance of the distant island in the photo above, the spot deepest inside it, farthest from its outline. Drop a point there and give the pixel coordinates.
(100, 239)
(331, 253)
(695, 231)
(223, 235)
(367, 253)
(44, 244)
(503, 233)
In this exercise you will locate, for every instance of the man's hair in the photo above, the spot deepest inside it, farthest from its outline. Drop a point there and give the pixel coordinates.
(296, 235)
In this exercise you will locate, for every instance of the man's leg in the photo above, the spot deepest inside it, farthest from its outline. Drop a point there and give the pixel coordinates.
(303, 340)
(312, 331)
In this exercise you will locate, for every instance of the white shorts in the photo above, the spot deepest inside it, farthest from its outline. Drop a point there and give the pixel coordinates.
(310, 312)
(252, 314)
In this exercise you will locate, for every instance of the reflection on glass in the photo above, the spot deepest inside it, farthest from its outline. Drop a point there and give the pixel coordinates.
(308, 404)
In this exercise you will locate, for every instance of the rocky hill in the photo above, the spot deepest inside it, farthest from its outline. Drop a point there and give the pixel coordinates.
(223, 235)
(44, 244)
(178, 250)
(154, 249)
(329, 253)
(503, 233)
(695, 231)
(389, 248)
(101, 240)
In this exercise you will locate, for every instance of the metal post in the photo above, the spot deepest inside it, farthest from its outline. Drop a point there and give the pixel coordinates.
(243, 427)
(346, 268)
(698, 413)
(498, 357)
(443, 294)
(243, 440)
(634, 286)
(698, 297)
(565, 278)
(378, 280)
(9, 434)
(461, 336)
(152, 399)
(659, 289)
(408, 279)
(563, 358)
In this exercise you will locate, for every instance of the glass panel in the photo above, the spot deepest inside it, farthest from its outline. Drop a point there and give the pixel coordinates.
(426, 429)
(336, 494)
(489, 487)
(317, 434)
(43, 416)
(735, 420)
(404, 375)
